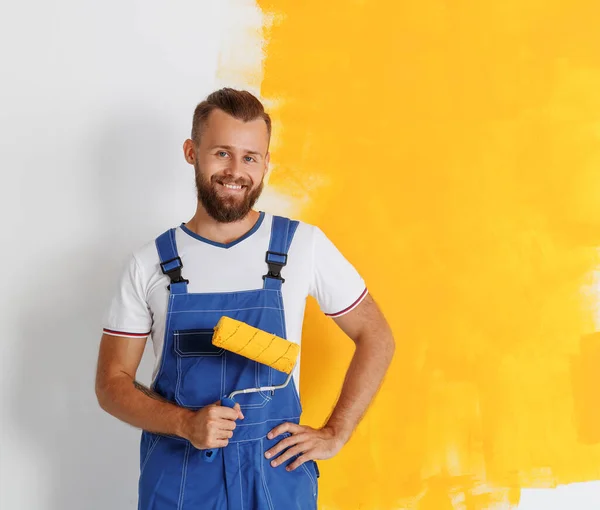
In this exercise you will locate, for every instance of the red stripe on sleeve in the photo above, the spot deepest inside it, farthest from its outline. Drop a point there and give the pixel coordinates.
(346, 310)
(124, 333)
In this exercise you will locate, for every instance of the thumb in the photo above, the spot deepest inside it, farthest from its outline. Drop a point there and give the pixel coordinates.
(239, 410)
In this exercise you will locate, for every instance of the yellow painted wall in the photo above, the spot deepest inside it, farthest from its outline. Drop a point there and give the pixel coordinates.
(452, 151)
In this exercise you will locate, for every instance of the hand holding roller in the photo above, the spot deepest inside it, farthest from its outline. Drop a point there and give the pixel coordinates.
(257, 345)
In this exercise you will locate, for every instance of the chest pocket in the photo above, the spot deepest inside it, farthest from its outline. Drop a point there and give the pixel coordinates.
(200, 368)
(197, 342)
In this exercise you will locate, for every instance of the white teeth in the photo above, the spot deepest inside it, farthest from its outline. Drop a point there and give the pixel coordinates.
(232, 186)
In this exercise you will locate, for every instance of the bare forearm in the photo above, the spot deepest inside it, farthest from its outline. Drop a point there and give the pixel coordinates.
(366, 371)
(140, 407)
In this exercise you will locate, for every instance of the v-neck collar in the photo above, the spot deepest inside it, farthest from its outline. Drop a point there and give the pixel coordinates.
(256, 226)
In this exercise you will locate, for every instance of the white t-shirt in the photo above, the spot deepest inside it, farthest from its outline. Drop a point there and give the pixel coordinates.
(315, 267)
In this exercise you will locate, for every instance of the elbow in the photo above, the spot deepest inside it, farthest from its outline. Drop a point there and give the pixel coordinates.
(101, 395)
(104, 393)
(390, 347)
(383, 344)
(386, 344)
(392, 344)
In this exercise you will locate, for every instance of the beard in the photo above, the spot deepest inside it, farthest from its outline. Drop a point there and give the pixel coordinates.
(225, 209)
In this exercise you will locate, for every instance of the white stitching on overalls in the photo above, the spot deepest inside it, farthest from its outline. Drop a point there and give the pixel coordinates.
(264, 480)
(233, 291)
(178, 382)
(183, 476)
(179, 379)
(240, 475)
(266, 421)
(150, 450)
(171, 238)
(258, 385)
(312, 480)
(177, 341)
(265, 401)
(229, 309)
(165, 341)
(280, 296)
(223, 374)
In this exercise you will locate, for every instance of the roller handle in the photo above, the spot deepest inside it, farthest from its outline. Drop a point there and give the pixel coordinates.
(209, 455)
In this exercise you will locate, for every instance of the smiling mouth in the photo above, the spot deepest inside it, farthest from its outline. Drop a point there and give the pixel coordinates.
(234, 187)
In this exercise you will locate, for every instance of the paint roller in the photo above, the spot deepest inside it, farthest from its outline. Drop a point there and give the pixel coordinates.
(257, 345)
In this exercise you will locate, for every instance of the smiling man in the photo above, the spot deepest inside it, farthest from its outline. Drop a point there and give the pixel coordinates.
(231, 260)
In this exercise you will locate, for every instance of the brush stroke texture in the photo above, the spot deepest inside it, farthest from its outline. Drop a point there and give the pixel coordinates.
(452, 151)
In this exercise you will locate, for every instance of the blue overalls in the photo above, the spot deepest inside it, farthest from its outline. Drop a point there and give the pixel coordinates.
(174, 475)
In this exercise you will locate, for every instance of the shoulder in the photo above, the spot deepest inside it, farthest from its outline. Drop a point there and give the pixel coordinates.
(303, 228)
(309, 237)
(304, 234)
(146, 258)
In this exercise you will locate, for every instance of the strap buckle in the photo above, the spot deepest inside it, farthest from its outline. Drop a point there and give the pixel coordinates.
(276, 261)
(173, 271)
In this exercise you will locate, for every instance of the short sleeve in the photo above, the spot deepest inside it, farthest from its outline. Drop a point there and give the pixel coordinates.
(128, 313)
(336, 284)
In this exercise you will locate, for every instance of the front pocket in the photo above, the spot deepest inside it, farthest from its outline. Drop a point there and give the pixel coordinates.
(196, 342)
(316, 466)
(293, 490)
(311, 476)
(200, 368)
(151, 441)
(309, 467)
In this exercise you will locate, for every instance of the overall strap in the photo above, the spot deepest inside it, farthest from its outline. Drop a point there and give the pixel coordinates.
(170, 262)
(282, 233)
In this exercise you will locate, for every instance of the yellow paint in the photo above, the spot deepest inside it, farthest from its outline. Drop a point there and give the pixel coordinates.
(256, 344)
(452, 151)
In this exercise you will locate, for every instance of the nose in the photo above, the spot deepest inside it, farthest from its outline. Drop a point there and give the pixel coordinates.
(234, 170)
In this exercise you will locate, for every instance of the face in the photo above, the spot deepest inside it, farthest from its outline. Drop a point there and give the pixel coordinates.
(230, 162)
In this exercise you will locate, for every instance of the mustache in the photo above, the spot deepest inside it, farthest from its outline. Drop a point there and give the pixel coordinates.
(226, 180)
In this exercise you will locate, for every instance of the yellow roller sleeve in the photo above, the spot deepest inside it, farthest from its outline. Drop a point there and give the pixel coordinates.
(255, 344)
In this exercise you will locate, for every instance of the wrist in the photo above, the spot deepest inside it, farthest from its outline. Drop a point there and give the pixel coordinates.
(183, 423)
(339, 432)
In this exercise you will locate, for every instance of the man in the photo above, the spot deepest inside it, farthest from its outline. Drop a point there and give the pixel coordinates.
(232, 260)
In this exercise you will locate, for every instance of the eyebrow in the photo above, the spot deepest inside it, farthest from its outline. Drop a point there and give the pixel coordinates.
(230, 148)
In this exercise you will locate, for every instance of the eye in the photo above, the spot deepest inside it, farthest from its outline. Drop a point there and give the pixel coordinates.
(249, 159)
(222, 154)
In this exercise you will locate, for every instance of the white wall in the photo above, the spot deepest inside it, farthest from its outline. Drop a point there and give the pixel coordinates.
(96, 101)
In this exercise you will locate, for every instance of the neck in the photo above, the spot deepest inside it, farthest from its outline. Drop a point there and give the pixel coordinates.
(206, 226)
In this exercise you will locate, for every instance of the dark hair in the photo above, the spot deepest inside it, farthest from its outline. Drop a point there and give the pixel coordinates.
(240, 104)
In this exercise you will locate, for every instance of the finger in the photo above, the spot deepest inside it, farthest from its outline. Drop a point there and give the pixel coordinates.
(214, 443)
(224, 425)
(215, 434)
(285, 456)
(222, 413)
(235, 408)
(214, 424)
(218, 443)
(224, 434)
(285, 443)
(299, 461)
(285, 427)
(215, 427)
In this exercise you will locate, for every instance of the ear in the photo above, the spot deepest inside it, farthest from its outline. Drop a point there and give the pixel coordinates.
(267, 160)
(189, 151)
